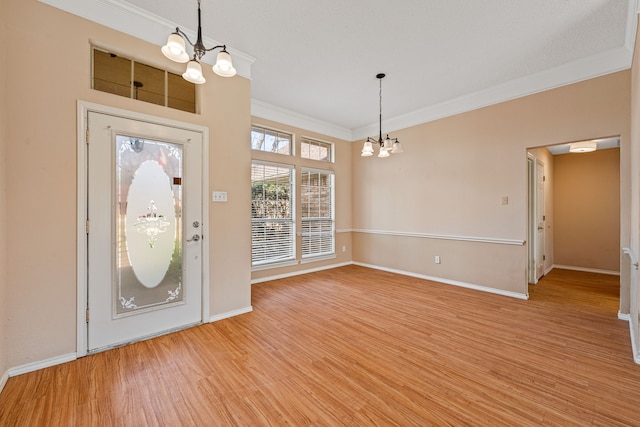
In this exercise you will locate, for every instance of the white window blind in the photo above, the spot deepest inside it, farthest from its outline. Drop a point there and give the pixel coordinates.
(317, 213)
(272, 213)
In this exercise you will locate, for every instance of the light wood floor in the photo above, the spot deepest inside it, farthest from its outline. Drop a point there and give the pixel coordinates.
(354, 346)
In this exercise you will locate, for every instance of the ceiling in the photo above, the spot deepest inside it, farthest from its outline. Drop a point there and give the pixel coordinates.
(316, 61)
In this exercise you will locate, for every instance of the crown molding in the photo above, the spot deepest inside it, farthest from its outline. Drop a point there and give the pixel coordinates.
(274, 113)
(586, 68)
(129, 19)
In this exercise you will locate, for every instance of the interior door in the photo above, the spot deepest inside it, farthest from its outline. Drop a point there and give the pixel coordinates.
(540, 219)
(144, 230)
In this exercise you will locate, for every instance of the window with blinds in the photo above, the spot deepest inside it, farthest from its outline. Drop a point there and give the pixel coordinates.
(271, 141)
(272, 213)
(317, 213)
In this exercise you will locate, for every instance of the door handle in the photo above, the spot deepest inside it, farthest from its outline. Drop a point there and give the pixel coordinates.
(195, 238)
(540, 228)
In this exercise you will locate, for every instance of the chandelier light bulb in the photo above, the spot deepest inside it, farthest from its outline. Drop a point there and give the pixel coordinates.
(175, 48)
(194, 73)
(224, 66)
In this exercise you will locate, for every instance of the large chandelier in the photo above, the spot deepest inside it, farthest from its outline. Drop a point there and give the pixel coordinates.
(387, 145)
(175, 51)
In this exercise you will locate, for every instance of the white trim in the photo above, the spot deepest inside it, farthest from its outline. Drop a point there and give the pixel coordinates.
(634, 343)
(624, 316)
(47, 363)
(3, 380)
(586, 270)
(281, 115)
(317, 258)
(548, 270)
(300, 272)
(444, 237)
(597, 65)
(271, 265)
(448, 282)
(83, 108)
(127, 18)
(344, 230)
(232, 313)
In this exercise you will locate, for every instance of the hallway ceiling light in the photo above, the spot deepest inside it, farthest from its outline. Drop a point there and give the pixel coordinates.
(175, 51)
(583, 147)
(387, 145)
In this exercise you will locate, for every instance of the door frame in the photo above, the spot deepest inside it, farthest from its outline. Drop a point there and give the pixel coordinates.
(83, 109)
(532, 223)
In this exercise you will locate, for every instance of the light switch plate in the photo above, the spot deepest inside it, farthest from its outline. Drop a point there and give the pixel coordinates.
(219, 196)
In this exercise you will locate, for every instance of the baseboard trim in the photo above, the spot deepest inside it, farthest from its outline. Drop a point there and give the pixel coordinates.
(232, 313)
(47, 363)
(449, 282)
(586, 270)
(300, 272)
(3, 380)
(624, 316)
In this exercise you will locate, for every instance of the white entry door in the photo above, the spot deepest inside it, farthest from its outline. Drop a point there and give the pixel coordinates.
(144, 229)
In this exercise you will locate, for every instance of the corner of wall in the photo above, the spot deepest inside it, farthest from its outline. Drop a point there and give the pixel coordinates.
(3, 246)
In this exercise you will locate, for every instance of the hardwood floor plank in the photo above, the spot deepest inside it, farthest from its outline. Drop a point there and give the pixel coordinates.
(354, 346)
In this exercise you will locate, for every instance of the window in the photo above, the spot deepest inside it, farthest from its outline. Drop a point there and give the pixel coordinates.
(316, 200)
(272, 213)
(316, 150)
(124, 77)
(271, 141)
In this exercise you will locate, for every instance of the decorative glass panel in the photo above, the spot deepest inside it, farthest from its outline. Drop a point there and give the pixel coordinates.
(148, 225)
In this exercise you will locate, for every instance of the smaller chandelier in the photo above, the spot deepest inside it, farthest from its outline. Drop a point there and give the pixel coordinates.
(175, 50)
(387, 145)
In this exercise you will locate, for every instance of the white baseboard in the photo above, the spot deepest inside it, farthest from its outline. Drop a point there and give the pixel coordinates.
(232, 313)
(47, 363)
(3, 380)
(624, 316)
(299, 272)
(586, 270)
(449, 282)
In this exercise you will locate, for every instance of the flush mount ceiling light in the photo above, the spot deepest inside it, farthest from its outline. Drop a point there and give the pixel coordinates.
(387, 145)
(175, 51)
(583, 146)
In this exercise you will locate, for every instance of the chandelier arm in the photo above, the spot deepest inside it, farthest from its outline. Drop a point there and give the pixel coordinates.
(223, 46)
(184, 36)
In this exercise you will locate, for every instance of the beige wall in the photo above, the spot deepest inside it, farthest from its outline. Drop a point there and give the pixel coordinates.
(342, 171)
(587, 209)
(546, 157)
(44, 82)
(454, 172)
(3, 202)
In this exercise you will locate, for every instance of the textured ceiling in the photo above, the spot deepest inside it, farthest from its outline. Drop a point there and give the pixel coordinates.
(319, 58)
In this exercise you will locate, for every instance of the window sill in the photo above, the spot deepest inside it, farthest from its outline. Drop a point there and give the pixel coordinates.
(274, 265)
(318, 258)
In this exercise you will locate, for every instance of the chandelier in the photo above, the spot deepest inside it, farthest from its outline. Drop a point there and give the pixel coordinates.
(175, 51)
(387, 145)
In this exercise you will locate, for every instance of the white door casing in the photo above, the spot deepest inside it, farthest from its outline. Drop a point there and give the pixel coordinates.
(540, 220)
(114, 267)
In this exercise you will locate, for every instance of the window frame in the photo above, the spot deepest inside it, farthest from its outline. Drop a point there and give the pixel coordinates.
(318, 142)
(331, 218)
(265, 129)
(265, 262)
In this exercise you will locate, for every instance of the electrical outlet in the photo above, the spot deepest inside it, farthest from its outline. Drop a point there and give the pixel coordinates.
(505, 200)
(437, 259)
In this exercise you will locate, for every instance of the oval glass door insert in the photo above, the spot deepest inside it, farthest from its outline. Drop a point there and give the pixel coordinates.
(148, 229)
